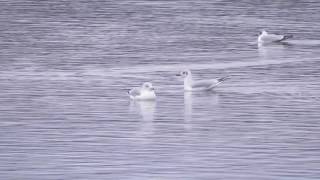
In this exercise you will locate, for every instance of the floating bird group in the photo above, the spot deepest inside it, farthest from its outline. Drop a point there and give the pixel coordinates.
(147, 92)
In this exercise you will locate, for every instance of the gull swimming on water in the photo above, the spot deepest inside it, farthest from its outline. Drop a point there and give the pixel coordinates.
(266, 37)
(199, 85)
(145, 92)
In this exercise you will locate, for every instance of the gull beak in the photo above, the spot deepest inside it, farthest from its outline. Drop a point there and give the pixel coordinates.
(178, 74)
(152, 89)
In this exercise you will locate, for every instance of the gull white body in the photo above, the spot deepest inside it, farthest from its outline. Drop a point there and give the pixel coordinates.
(199, 85)
(146, 92)
(266, 37)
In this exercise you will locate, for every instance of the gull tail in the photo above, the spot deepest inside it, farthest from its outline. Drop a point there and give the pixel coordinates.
(220, 80)
(285, 37)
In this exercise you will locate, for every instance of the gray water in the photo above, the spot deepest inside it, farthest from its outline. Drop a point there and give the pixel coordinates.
(66, 67)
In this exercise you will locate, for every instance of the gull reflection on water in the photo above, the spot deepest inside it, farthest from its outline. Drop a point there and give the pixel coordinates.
(187, 109)
(271, 51)
(146, 110)
(198, 102)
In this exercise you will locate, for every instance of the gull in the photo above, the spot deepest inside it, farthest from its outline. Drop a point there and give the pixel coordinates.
(145, 92)
(199, 85)
(266, 37)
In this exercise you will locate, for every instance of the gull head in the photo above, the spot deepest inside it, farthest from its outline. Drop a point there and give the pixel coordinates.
(263, 32)
(184, 73)
(147, 86)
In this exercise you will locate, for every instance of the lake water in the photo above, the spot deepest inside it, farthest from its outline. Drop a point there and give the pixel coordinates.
(66, 67)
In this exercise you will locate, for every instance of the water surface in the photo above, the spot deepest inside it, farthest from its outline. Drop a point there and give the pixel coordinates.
(66, 67)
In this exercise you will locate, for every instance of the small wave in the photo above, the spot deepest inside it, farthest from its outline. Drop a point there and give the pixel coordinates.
(305, 42)
(196, 66)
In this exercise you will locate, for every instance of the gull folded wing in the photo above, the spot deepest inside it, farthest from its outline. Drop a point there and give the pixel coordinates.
(204, 83)
(134, 92)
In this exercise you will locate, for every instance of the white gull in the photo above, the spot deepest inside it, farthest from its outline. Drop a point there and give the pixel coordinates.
(145, 92)
(199, 85)
(266, 37)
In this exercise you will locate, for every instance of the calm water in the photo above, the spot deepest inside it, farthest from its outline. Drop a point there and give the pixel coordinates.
(66, 67)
